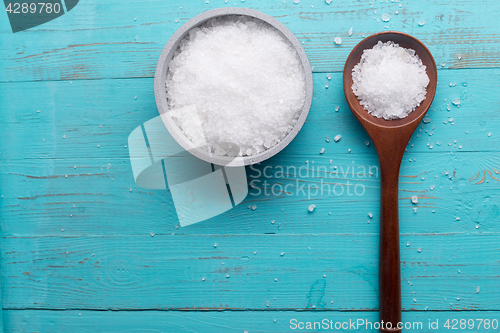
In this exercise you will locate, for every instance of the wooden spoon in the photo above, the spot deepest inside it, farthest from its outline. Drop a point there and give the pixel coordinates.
(390, 137)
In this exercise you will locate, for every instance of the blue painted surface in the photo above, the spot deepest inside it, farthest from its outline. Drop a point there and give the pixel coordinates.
(76, 229)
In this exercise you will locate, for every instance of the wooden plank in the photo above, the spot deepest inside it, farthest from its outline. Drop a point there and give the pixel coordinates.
(74, 118)
(246, 272)
(98, 40)
(232, 321)
(95, 198)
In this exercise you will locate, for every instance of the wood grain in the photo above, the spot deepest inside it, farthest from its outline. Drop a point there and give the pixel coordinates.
(95, 197)
(166, 272)
(84, 43)
(219, 321)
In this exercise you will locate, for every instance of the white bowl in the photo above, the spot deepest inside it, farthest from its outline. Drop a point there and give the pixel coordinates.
(161, 97)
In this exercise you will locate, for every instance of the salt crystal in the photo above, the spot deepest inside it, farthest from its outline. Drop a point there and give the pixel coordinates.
(389, 81)
(337, 137)
(337, 40)
(350, 32)
(328, 1)
(456, 101)
(322, 150)
(370, 215)
(329, 76)
(367, 143)
(248, 60)
(415, 210)
(432, 187)
(386, 17)
(327, 139)
(414, 199)
(489, 134)
(421, 23)
(337, 108)
(426, 120)
(311, 208)
(478, 289)
(458, 219)
(254, 207)
(326, 85)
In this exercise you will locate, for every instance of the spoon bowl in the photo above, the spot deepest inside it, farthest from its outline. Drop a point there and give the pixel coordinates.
(390, 137)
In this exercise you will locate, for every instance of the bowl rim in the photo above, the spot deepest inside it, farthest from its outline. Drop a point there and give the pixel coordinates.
(161, 98)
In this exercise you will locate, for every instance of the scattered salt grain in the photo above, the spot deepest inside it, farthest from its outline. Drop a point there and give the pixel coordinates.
(337, 40)
(414, 199)
(337, 137)
(478, 289)
(489, 134)
(311, 208)
(456, 101)
(322, 150)
(421, 23)
(248, 60)
(390, 81)
(337, 108)
(370, 215)
(386, 17)
(327, 139)
(328, 1)
(329, 76)
(254, 207)
(350, 32)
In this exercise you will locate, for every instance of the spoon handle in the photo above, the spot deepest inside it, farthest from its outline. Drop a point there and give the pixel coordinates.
(389, 263)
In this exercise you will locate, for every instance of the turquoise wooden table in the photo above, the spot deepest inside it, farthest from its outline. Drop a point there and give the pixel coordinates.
(78, 253)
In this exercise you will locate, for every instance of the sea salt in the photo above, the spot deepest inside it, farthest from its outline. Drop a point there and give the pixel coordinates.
(311, 208)
(386, 17)
(337, 137)
(390, 81)
(414, 199)
(350, 32)
(245, 81)
(337, 40)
